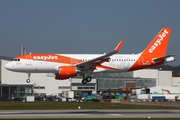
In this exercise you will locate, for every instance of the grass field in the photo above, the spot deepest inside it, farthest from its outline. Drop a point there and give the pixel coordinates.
(73, 105)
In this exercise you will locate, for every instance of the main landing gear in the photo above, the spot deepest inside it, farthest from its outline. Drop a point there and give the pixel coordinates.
(86, 80)
(28, 80)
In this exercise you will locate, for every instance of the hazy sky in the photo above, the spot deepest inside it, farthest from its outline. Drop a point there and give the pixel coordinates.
(86, 26)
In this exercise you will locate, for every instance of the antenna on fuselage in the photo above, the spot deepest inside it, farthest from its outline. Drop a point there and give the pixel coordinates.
(23, 50)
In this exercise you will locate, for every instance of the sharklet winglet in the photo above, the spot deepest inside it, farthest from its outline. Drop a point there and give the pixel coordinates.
(118, 47)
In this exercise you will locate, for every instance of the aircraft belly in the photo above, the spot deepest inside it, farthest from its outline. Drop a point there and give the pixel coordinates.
(120, 66)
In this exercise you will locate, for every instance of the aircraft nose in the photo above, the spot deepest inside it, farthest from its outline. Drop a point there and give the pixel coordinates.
(8, 66)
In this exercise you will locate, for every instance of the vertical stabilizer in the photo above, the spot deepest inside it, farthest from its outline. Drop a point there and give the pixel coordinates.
(155, 50)
(158, 46)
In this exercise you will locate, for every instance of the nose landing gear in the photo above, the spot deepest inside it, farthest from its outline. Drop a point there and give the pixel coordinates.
(28, 80)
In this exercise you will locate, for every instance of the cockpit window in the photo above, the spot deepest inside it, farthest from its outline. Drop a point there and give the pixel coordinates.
(16, 59)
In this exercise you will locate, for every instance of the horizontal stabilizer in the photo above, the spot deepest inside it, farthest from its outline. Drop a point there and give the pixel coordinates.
(167, 58)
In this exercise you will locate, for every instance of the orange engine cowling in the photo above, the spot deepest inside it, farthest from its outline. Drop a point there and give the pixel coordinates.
(66, 72)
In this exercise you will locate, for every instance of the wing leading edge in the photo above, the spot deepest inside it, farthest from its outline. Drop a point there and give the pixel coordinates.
(91, 64)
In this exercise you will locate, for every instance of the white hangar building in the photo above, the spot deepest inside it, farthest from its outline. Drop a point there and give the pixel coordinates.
(14, 84)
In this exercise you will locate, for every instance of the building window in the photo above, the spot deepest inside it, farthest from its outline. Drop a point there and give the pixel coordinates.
(64, 87)
(92, 87)
(130, 84)
(80, 87)
(86, 87)
(39, 87)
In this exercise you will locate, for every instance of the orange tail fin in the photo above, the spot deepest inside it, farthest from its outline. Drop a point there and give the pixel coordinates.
(155, 53)
(158, 46)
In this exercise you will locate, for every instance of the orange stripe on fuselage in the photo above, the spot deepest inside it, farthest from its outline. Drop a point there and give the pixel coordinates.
(138, 66)
(51, 58)
(107, 67)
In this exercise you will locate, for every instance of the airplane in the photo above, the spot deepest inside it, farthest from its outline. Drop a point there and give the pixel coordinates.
(66, 66)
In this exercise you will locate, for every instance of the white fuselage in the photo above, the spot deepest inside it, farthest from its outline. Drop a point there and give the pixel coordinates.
(118, 62)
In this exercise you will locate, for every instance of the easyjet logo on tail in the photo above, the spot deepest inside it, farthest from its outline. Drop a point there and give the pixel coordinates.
(158, 41)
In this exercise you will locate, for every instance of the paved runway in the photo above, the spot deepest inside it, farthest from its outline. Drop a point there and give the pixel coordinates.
(89, 113)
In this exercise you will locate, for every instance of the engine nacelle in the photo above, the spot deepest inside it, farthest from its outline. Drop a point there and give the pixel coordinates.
(60, 77)
(65, 72)
(170, 59)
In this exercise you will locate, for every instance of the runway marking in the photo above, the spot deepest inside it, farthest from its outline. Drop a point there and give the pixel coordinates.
(116, 114)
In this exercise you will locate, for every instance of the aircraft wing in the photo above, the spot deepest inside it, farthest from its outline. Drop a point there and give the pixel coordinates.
(91, 64)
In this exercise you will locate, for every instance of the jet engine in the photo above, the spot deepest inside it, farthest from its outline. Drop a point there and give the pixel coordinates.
(66, 72)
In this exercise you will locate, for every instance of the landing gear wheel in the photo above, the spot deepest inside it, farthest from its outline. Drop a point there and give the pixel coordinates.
(84, 81)
(28, 80)
(88, 79)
